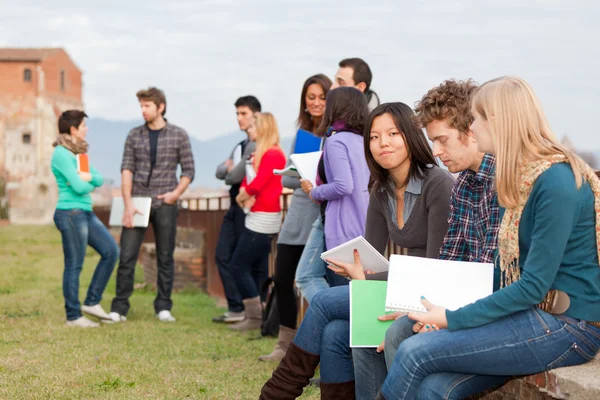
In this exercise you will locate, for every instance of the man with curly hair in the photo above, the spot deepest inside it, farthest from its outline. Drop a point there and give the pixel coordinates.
(472, 234)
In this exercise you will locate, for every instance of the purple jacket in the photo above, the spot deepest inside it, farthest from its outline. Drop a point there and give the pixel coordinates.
(347, 188)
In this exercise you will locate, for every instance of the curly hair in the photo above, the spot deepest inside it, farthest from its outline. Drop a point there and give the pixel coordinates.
(450, 102)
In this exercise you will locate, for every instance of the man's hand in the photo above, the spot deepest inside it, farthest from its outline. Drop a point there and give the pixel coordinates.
(169, 197)
(128, 215)
(85, 176)
(353, 271)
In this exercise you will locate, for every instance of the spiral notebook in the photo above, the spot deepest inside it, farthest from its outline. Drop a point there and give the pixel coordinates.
(450, 284)
(370, 258)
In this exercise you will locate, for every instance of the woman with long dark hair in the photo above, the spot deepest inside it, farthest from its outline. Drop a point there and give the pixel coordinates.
(298, 221)
(409, 204)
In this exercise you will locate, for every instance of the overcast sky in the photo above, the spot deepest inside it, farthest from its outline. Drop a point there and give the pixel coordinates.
(205, 54)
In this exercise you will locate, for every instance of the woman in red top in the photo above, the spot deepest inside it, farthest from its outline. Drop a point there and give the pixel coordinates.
(260, 194)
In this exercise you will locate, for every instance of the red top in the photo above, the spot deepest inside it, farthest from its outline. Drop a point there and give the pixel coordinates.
(267, 187)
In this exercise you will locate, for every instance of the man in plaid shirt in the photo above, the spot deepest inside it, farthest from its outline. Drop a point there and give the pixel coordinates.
(472, 235)
(149, 169)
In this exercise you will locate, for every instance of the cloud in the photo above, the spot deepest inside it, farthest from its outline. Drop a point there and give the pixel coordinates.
(205, 54)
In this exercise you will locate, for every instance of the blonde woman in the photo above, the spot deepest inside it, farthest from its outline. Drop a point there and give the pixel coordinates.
(249, 261)
(546, 311)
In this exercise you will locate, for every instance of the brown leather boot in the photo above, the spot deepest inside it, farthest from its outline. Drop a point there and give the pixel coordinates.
(337, 391)
(291, 376)
(286, 335)
(253, 319)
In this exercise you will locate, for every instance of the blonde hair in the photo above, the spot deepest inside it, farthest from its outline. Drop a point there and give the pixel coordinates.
(520, 131)
(267, 135)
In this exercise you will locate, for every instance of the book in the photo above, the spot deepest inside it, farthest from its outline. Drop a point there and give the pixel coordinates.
(449, 284)
(367, 302)
(288, 171)
(142, 204)
(83, 163)
(370, 258)
(307, 165)
(306, 142)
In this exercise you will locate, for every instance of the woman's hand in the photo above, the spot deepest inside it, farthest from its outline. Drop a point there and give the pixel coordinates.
(433, 319)
(306, 186)
(85, 176)
(352, 270)
(242, 197)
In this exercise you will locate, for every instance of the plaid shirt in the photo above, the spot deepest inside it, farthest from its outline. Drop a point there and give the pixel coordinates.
(474, 216)
(173, 148)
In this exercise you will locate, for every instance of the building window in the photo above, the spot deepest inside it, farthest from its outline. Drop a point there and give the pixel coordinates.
(27, 75)
(27, 138)
(62, 80)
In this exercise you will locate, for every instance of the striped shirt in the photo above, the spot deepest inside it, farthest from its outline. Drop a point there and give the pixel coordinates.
(474, 217)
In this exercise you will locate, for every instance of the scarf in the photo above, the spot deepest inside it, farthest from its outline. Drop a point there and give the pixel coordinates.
(71, 143)
(340, 126)
(508, 235)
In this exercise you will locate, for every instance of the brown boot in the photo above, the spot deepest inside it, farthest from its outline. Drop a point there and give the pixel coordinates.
(291, 376)
(253, 318)
(286, 335)
(335, 391)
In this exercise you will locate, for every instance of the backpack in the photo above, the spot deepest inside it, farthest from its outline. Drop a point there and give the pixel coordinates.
(270, 315)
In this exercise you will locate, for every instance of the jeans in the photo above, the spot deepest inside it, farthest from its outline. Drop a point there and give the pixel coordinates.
(310, 275)
(370, 369)
(250, 263)
(79, 228)
(164, 222)
(231, 230)
(525, 343)
(325, 330)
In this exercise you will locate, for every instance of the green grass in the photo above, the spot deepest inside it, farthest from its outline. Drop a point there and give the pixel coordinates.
(40, 358)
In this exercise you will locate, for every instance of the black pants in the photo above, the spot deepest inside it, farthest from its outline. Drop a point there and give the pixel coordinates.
(164, 222)
(231, 230)
(286, 264)
(250, 263)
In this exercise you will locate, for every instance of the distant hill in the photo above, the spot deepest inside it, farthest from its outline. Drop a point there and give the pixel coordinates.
(107, 139)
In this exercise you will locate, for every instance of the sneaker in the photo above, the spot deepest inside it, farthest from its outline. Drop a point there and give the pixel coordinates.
(95, 311)
(114, 317)
(83, 322)
(165, 316)
(230, 317)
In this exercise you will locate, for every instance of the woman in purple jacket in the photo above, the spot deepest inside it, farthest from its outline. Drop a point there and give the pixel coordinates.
(343, 175)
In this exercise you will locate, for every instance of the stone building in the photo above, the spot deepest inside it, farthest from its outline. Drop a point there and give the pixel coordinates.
(36, 86)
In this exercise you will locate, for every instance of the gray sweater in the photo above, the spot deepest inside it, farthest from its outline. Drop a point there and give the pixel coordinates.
(238, 172)
(424, 230)
(301, 214)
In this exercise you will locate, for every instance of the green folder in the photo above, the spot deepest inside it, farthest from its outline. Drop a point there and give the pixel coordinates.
(367, 302)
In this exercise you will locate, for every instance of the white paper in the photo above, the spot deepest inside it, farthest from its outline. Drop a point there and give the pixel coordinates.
(307, 165)
(289, 171)
(450, 284)
(370, 258)
(142, 204)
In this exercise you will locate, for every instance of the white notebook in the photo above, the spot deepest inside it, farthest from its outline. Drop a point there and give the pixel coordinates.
(307, 165)
(369, 257)
(289, 171)
(142, 204)
(450, 284)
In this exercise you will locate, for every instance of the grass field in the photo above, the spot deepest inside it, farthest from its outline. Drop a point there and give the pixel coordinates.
(40, 358)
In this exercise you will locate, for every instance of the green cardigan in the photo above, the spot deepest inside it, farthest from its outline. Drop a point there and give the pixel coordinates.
(558, 250)
(73, 192)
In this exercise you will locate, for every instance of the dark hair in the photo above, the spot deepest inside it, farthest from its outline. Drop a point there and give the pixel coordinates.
(70, 118)
(304, 118)
(345, 104)
(450, 102)
(419, 152)
(361, 71)
(249, 101)
(154, 95)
